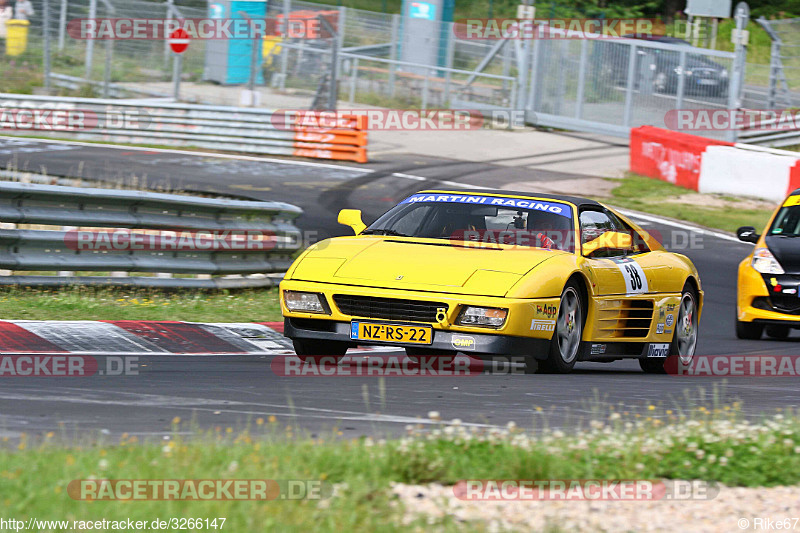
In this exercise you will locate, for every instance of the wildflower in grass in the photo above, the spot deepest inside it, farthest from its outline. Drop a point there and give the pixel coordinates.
(700, 453)
(434, 415)
(712, 458)
(723, 461)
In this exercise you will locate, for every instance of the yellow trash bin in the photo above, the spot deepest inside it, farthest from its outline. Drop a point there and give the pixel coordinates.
(17, 36)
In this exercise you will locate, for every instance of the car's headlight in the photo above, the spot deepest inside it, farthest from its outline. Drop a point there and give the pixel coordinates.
(765, 262)
(724, 73)
(486, 317)
(306, 302)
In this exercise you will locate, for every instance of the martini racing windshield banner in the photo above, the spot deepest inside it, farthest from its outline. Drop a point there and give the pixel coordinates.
(548, 206)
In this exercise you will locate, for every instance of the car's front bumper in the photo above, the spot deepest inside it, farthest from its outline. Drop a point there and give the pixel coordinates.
(527, 330)
(767, 299)
(472, 343)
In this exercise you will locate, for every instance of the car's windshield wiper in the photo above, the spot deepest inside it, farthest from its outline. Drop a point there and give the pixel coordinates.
(384, 232)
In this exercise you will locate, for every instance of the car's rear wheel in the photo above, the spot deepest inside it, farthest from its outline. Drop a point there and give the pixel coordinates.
(314, 350)
(749, 330)
(566, 342)
(777, 332)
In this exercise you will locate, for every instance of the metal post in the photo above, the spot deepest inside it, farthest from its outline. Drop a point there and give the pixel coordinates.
(177, 67)
(451, 48)
(774, 59)
(62, 25)
(506, 64)
(681, 89)
(287, 7)
(342, 26)
(90, 42)
(582, 66)
(353, 79)
(626, 117)
(251, 84)
(742, 16)
(688, 32)
(169, 5)
(107, 69)
(425, 87)
(714, 31)
(393, 52)
(333, 96)
(46, 34)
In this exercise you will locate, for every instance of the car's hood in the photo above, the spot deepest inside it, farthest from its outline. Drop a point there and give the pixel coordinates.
(419, 264)
(786, 250)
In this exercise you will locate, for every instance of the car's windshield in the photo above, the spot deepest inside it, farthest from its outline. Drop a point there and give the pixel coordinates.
(476, 218)
(787, 223)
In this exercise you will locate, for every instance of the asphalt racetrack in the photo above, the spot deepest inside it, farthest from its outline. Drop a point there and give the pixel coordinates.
(229, 391)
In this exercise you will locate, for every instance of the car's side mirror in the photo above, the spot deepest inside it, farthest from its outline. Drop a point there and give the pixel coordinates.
(352, 218)
(610, 240)
(748, 234)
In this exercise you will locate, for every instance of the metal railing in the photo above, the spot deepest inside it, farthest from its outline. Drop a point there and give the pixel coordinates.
(158, 233)
(244, 130)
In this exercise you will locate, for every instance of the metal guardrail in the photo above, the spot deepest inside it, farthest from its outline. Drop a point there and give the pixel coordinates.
(235, 129)
(264, 234)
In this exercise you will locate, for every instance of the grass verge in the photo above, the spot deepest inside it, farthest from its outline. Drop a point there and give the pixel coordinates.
(89, 303)
(659, 198)
(718, 445)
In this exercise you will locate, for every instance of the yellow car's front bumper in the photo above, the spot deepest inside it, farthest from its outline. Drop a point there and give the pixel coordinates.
(527, 329)
(767, 299)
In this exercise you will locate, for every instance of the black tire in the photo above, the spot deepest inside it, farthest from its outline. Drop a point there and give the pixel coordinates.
(749, 330)
(565, 346)
(777, 332)
(684, 338)
(313, 350)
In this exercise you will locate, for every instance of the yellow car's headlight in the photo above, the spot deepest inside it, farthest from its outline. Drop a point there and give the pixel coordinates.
(765, 262)
(306, 302)
(486, 317)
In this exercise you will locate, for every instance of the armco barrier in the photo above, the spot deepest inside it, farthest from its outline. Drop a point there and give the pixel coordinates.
(668, 155)
(226, 237)
(711, 166)
(234, 129)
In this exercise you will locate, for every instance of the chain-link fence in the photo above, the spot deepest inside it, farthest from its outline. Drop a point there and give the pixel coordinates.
(590, 84)
(781, 85)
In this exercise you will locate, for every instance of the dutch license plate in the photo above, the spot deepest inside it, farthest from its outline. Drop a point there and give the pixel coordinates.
(707, 82)
(371, 331)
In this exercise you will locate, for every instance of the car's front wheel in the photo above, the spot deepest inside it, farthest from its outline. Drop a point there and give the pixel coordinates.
(566, 342)
(315, 350)
(684, 340)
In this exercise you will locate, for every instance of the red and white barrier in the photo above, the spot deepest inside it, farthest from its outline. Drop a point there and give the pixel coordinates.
(711, 166)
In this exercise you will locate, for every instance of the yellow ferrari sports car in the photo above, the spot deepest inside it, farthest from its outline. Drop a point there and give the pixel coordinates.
(769, 277)
(553, 279)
